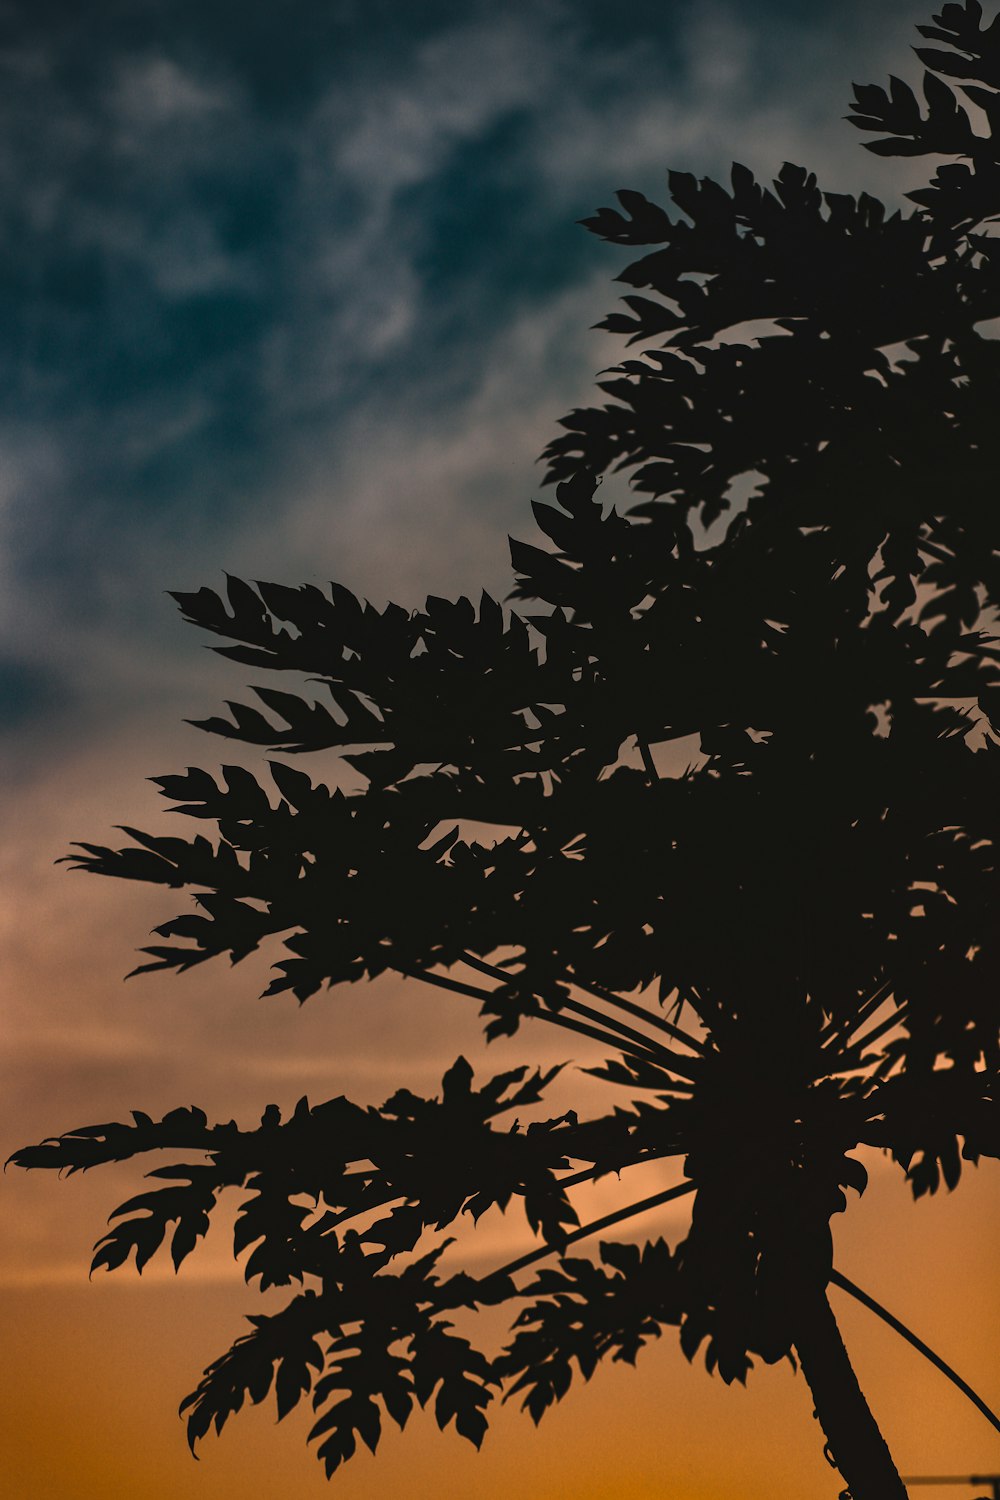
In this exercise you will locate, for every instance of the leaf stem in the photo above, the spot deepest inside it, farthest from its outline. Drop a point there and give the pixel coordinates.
(843, 1030)
(873, 1036)
(316, 1233)
(648, 762)
(638, 1010)
(654, 1048)
(837, 1279)
(648, 1051)
(590, 1173)
(680, 1065)
(654, 1201)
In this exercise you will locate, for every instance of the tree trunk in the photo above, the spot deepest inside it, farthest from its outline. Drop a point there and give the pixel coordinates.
(852, 1434)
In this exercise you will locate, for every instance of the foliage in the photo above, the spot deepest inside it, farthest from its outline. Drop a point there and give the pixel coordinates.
(815, 897)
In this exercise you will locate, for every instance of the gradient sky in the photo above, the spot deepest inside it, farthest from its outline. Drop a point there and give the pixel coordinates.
(297, 291)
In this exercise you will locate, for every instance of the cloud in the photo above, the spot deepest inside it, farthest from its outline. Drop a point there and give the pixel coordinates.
(761, 90)
(454, 87)
(359, 290)
(253, 338)
(414, 498)
(175, 397)
(151, 92)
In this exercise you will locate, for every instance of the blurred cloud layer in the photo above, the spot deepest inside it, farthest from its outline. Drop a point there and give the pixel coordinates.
(275, 287)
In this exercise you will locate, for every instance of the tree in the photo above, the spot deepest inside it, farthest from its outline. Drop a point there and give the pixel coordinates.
(789, 952)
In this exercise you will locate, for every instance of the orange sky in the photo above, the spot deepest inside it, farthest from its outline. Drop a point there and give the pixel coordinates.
(96, 1370)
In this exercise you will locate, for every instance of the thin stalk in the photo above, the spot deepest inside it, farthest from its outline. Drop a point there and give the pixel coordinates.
(855, 1056)
(836, 1279)
(484, 968)
(879, 1031)
(936, 552)
(533, 1256)
(679, 1064)
(535, 1012)
(654, 1201)
(638, 1010)
(331, 1220)
(590, 1173)
(842, 1030)
(655, 1049)
(648, 762)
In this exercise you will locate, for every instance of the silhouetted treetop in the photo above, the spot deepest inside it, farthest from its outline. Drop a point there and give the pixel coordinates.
(724, 802)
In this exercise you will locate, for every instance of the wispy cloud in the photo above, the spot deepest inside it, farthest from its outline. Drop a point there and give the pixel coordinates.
(152, 92)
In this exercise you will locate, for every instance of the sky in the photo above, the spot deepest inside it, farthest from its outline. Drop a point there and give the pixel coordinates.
(299, 292)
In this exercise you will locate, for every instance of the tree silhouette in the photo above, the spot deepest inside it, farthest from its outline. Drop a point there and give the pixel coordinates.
(788, 952)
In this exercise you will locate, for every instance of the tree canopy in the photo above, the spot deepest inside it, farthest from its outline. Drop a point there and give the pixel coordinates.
(789, 951)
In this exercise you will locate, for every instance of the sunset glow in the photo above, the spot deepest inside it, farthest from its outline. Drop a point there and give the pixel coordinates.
(297, 297)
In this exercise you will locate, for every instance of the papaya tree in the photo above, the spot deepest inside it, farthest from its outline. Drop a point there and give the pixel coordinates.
(788, 952)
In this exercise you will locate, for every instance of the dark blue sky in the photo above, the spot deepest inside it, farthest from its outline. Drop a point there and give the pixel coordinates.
(299, 289)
